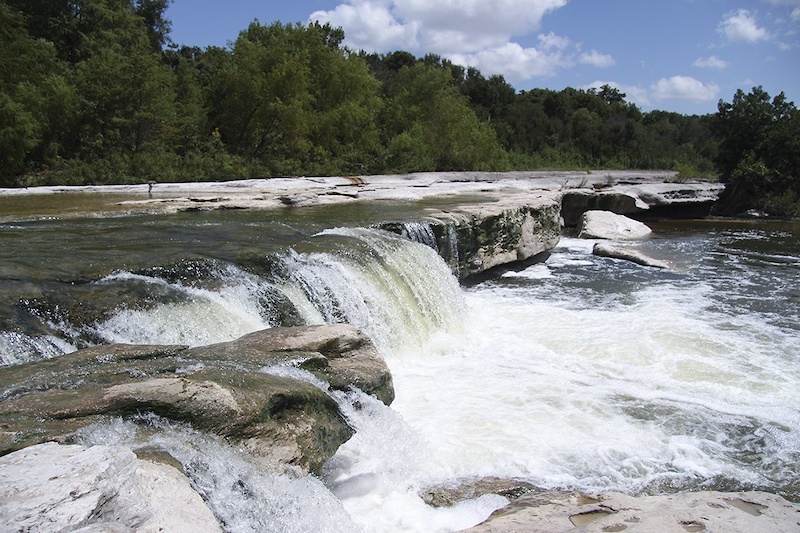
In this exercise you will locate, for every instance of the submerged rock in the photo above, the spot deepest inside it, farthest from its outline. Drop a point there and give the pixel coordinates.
(734, 512)
(52, 487)
(618, 252)
(452, 493)
(608, 225)
(234, 389)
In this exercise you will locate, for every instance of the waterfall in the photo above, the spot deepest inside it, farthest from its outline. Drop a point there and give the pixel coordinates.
(397, 291)
(421, 232)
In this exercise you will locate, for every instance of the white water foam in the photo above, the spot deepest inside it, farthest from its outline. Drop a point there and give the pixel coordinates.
(16, 348)
(648, 394)
(203, 317)
(245, 497)
(656, 389)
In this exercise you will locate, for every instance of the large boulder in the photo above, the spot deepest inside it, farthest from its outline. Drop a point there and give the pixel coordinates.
(229, 389)
(52, 487)
(734, 512)
(608, 225)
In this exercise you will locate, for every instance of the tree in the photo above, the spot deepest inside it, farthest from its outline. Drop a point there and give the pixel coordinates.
(759, 153)
(36, 101)
(430, 125)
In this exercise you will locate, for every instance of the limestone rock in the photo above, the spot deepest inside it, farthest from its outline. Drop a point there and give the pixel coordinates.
(736, 512)
(608, 225)
(618, 252)
(339, 354)
(450, 494)
(576, 203)
(221, 388)
(645, 198)
(300, 199)
(51, 487)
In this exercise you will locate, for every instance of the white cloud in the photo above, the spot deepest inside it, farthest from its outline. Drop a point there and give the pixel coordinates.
(683, 88)
(443, 26)
(635, 94)
(741, 25)
(551, 41)
(475, 33)
(674, 88)
(710, 62)
(597, 59)
(515, 62)
(370, 25)
(796, 14)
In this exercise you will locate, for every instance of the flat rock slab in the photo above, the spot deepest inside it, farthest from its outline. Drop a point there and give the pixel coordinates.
(734, 512)
(233, 389)
(618, 252)
(608, 225)
(51, 487)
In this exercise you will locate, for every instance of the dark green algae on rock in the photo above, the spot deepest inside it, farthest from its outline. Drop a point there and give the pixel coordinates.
(220, 388)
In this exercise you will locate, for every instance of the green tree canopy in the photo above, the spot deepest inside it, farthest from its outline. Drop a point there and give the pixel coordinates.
(759, 152)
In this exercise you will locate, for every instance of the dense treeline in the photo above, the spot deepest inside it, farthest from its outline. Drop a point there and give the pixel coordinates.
(92, 91)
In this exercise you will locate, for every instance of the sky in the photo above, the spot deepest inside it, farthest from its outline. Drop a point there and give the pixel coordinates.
(673, 55)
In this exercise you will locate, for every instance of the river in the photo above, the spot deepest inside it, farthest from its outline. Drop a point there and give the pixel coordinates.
(577, 373)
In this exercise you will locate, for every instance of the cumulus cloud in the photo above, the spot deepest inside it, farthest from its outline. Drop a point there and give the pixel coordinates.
(370, 25)
(683, 88)
(741, 26)
(635, 94)
(468, 32)
(444, 26)
(515, 62)
(597, 59)
(710, 62)
(674, 88)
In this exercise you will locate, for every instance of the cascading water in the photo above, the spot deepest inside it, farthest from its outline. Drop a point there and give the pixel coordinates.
(581, 373)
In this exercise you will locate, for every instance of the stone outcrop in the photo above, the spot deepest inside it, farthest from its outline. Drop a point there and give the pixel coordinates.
(452, 493)
(52, 487)
(220, 388)
(608, 225)
(475, 238)
(643, 200)
(627, 254)
(731, 512)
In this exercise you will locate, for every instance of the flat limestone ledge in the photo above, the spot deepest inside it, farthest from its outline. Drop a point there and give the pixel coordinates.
(272, 193)
(729, 512)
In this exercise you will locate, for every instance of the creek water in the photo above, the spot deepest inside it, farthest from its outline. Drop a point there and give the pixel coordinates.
(577, 373)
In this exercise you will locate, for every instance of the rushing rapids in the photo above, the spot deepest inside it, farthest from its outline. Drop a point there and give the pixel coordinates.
(578, 373)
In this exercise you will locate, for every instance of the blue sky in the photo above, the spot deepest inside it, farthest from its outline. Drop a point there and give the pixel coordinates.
(675, 55)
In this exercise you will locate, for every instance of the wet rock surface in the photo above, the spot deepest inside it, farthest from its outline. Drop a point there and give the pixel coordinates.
(627, 254)
(554, 512)
(226, 389)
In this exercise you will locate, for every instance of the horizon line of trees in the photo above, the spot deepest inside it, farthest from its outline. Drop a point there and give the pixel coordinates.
(92, 92)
